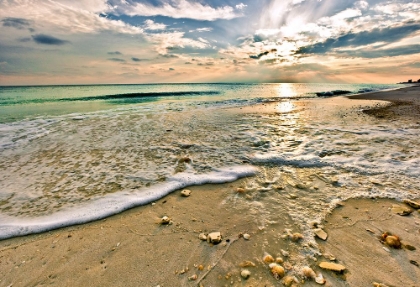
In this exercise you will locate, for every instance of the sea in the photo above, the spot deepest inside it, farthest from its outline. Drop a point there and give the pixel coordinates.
(74, 154)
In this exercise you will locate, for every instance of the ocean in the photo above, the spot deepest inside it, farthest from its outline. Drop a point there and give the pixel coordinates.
(74, 154)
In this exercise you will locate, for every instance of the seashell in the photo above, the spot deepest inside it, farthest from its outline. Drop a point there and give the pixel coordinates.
(284, 253)
(247, 264)
(288, 281)
(186, 193)
(200, 267)
(268, 258)
(246, 236)
(279, 260)
(308, 272)
(202, 236)
(393, 241)
(240, 190)
(277, 271)
(193, 277)
(245, 274)
(296, 237)
(320, 279)
(165, 220)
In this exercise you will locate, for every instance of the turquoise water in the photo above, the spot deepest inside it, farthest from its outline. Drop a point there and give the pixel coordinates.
(30, 102)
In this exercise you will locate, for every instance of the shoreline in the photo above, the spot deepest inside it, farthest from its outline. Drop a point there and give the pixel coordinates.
(132, 248)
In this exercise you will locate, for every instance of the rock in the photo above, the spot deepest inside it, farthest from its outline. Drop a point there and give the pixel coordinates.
(185, 159)
(414, 263)
(202, 236)
(401, 210)
(329, 256)
(268, 258)
(332, 266)
(246, 236)
(393, 241)
(284, 253)
(186, 193)
(247, 264)
(193, 277)
(279, 260)
(412, 203)
(321, 234)
(277, 270)
(165, 220)
(214, 237)
(245, 274)
(240, 190)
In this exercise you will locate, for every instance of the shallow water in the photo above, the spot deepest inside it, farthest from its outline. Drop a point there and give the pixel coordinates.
(306, 155)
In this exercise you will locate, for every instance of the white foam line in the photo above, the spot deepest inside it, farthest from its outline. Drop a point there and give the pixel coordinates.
(116, 203)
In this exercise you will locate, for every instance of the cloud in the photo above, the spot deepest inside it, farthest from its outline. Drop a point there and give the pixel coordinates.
(168, 41)
(171, 69)
(134, 59)
(116, 59)
(380, 53)
(48, 40)
(179, 9)
(200, 30)
(115, 53)
(151, 25)
(386, 35)
(241, 6)
(18, 23)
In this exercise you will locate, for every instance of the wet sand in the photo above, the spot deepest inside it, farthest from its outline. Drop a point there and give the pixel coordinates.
(133, 249)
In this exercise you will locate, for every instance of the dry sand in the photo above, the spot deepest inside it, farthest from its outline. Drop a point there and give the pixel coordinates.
(133, 249)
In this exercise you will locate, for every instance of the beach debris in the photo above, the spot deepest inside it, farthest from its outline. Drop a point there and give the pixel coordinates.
(332, 266)
(247, 264)
(193, 277)
(375, 284)
(165, 220)
(290, 281)
(414, 263)
(200, 267)
(391, 240)
(412, 203)
(246, 236)
(277, 270)
(202, 236)
(401, 210)
(183, 271)
(214, 237)
(245, 274)
(321, 234)
(279, 260)
(185, 193)
(268, 258)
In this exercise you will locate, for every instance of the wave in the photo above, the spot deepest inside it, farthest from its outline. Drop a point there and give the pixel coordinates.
(127, 97)
(333, 93)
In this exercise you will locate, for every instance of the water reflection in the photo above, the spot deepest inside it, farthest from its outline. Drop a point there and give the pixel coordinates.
(285, 107)
(287, 90)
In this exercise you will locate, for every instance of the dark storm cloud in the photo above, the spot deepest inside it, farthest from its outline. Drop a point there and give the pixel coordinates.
(387, 35)
(48, 40)
(262, 54)
(115, 53)
(17, 23)
(116, 60)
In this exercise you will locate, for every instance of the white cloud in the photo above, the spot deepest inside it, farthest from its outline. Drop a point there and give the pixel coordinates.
(63, 16)
(163, 41)
(200, 30)
(241, 6)
(151, 25)
(180, 9)
(361, 5)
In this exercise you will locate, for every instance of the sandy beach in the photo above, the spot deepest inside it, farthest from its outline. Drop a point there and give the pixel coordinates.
(134, 249)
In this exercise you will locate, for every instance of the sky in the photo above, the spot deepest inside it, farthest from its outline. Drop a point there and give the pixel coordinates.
(183, 41)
